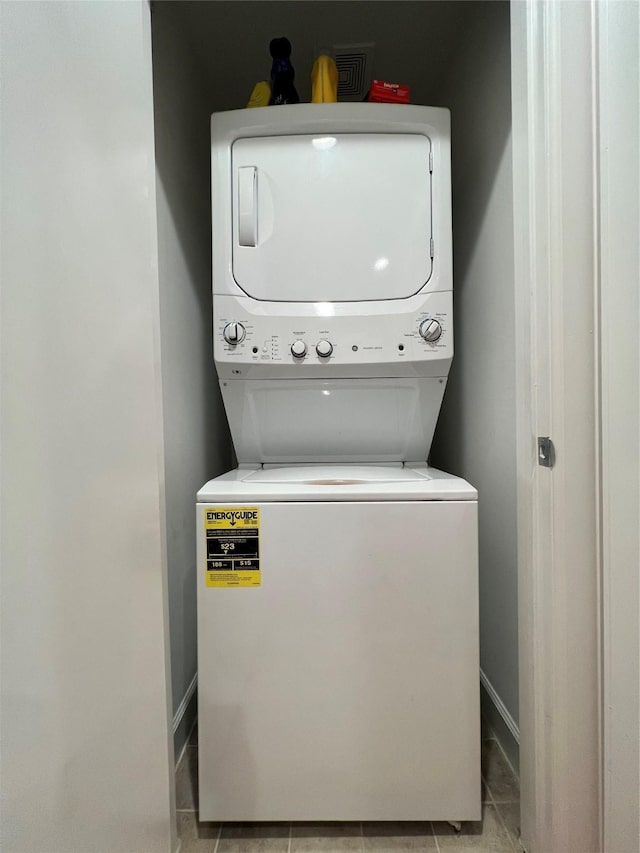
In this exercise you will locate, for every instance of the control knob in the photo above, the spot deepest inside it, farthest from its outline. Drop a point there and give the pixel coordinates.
(324, 349)
(430, 330)
(298, 349)
(234, 333)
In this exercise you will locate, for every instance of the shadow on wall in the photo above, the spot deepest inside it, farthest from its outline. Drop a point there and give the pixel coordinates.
(414, 41)
(475, 436)
(183, 153)
(197, 444)
(478, 92)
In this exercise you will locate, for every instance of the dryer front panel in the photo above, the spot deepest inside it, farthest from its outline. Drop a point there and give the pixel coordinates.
(308, 420)
(331, 218)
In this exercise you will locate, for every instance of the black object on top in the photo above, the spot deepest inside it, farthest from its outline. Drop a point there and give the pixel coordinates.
(282, 89)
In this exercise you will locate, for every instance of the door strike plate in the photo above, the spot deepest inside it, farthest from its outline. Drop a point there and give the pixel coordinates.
(546, 452)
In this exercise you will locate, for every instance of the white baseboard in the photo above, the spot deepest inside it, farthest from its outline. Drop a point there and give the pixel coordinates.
(501, 708)
(182, 707)
(488, 686)
(502, 724)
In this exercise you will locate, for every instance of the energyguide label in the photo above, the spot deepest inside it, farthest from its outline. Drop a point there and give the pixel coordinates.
(232, 546)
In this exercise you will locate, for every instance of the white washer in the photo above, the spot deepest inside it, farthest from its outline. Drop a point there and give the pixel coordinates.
(345, 685)
(337, 577)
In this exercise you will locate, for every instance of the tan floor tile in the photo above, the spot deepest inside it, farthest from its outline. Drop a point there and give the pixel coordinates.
(252, 845)
(254, 838)
(392, 837)
(187, 780)
(500, 778)
(195, 837)
(510, 814)
(326, 837)
(488, 834)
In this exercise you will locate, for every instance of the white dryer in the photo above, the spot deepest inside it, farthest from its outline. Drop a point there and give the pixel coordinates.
(337, 574)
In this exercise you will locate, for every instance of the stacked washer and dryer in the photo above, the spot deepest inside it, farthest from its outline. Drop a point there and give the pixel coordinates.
(337, 572)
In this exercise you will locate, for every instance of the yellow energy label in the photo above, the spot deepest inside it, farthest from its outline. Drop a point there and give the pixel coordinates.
(232, 543)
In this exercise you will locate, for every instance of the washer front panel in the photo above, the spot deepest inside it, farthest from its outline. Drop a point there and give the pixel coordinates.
(345, 686)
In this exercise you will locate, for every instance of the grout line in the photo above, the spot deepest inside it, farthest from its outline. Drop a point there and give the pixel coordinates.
(506, 758)
(362, 835)
(435, 836)
(186, 811)
(515, 839)
(500, 818)
(290, 834)
(215, 849)
(492, 802)
(488, 794)
(186, 744)
(489, 799)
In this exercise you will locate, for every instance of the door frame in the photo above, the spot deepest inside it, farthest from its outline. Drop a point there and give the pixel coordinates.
(555, 222)
(555, 228)
(576, 320)
(619, 190)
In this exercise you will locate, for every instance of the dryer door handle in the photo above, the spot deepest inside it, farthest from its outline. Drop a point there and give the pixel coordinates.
(248, 206)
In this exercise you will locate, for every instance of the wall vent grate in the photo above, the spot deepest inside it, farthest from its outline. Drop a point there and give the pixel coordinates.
(355, 69)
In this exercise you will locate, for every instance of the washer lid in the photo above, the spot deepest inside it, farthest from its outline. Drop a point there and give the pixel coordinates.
(342, 218)
(336, 483)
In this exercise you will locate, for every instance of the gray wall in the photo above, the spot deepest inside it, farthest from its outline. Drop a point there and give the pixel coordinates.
(196, 437)
(476, 431)
(231, 39)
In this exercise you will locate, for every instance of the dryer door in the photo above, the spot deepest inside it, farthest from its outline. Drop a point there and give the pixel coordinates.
(342, 218)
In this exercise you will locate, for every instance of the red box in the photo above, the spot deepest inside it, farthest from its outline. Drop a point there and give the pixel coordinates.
(388, 93)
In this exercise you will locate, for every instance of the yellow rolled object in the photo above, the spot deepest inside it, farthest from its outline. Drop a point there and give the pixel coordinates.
(324, 81)
(261, 94)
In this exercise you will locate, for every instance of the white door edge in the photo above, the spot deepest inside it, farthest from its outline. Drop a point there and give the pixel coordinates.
(619, 186)
(555, 221)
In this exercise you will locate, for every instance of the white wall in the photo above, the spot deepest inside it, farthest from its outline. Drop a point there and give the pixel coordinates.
(197, 444)
(85, 729)
(476, 431)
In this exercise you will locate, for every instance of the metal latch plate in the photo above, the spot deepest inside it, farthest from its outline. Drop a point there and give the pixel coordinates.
(546, 452)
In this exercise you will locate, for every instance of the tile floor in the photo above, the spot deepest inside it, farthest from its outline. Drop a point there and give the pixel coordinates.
(497, 831)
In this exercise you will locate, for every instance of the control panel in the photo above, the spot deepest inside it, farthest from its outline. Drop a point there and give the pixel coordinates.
(247, 334)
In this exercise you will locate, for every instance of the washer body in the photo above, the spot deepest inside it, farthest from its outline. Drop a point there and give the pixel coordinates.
(345, 685)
